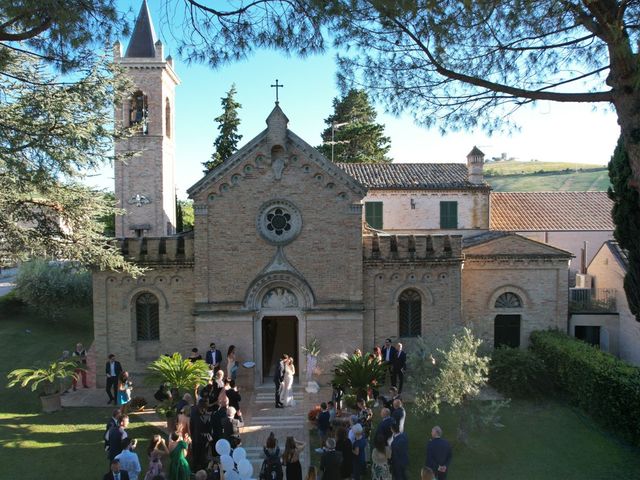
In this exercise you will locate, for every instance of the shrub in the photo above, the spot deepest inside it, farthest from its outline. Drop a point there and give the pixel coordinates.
(606, 388)
(518, 373)
(358, 374)
(49, 287)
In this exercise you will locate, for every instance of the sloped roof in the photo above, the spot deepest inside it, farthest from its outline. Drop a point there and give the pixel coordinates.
(551, 211)
(618, 252)
(429, 176)
(509, 244)
(143, 39)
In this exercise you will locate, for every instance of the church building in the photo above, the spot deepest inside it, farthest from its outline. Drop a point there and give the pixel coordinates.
(288, 247)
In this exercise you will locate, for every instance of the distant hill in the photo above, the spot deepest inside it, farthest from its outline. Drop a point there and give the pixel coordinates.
(515, 176)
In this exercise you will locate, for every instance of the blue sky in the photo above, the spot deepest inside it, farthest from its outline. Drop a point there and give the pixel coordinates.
(549, 131)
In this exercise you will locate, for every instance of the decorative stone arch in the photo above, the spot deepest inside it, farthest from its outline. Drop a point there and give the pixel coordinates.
(262, 285)
(425, 293)
(524, 298)
(128, 299)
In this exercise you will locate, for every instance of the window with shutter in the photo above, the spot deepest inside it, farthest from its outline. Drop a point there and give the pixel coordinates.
(147, 317)
(373, 214)
(448, 214)
(410, 314)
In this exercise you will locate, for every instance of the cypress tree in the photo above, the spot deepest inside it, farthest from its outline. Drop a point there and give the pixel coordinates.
(626, 217)
(357, 138)
(228, 121)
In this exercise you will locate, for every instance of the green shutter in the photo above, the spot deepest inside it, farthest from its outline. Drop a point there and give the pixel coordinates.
(448, 214)
(373, 214)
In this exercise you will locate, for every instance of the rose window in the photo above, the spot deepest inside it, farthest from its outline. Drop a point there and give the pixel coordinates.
(279, 221)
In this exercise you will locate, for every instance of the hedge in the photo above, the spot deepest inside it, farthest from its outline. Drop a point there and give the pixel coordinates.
(606, 388)
(518, 373)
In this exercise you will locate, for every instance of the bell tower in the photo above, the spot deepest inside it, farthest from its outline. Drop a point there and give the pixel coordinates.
(145, 182)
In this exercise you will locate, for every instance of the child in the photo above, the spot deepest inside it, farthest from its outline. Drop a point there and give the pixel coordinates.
(323, 422)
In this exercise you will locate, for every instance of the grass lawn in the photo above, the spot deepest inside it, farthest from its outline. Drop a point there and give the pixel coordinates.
(539, 441)
(66, 444)
(597, 181)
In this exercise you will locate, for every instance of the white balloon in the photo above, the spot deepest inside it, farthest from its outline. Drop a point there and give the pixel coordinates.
(227, 463)
(245, 469)
(239, 454)
(231, 475)
(223, 447)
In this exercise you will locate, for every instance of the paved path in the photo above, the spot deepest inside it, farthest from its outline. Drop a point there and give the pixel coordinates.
(7, 280)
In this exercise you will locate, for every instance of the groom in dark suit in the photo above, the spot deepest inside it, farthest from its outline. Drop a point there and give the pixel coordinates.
(113, 369)
(278, 378)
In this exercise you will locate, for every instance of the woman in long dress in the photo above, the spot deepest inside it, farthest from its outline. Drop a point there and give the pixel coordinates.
(231, 361)
(286, 397)
(179, 466)
(291, 458)
(380, 459)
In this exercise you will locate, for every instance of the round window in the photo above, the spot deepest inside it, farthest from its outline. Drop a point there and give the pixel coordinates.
(279, 221)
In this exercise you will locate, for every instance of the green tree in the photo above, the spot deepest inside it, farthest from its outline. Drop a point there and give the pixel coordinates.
(626, 216)
(449, 63)
(49, 287)
(352, 134)
(228, 137)
(52, 133)
(448, 369)
(184, 215)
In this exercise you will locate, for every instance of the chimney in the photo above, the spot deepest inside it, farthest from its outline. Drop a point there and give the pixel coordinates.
(475, 165)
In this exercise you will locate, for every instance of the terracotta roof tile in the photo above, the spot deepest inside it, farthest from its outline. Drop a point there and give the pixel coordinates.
(429, 176)
(550, 211)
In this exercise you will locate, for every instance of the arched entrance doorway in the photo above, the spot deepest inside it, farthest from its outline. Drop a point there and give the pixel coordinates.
(279, 335)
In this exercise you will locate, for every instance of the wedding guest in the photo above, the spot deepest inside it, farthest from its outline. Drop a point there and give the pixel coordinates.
(115, 473)
(80, 356)
(331, 406)
(156, 452)
(364, 416)
(116, 435)
(231, 360)
(129, 460)
(271, 466)
(125, 387)
(113, 369)
(399, 366)
(380, 459)
(322, 422)
(438, 454)
(384, 427)
(200, 427)
(312, 474)
(291, 458)
(179, 469)
(344, 447)
(399, 453)
(388, 355)
(214, 357)
(359, 453)
(330, 461)
(399, 413)
(195, 356)
(377, 357)
(234, 398)
(187, 400)
(174, 438)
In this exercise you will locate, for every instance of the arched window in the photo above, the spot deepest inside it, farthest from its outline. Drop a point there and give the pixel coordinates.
(410, 314)
(167, 114)
(508, 300)
(138, 111)
(147, 317)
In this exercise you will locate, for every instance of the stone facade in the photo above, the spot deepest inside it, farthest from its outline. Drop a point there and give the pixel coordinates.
(280, 253)
(418, 211)
(608, 270)
(145, 181)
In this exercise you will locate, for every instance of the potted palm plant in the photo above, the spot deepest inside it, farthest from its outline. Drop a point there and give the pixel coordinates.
(179, 374)
(358, 374)
(46, 380)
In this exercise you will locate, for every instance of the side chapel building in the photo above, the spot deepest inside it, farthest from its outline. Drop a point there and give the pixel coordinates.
(288, 246)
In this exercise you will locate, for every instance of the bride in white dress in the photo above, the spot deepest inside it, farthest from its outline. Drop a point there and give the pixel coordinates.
(286, 397)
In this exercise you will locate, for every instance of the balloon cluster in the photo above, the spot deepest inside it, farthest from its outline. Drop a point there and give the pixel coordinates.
(235, 465)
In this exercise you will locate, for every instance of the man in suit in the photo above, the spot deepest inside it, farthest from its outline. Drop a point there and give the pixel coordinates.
(399, 365)
(278, 378)
(115, 435)
(200, 428)
(438, 454)
(113, 369)
(388, 355)
(398, 414)
(213, 357)
(384, 427)
(115, 473)
(330, 461)
(113, 422)
(399, 453)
